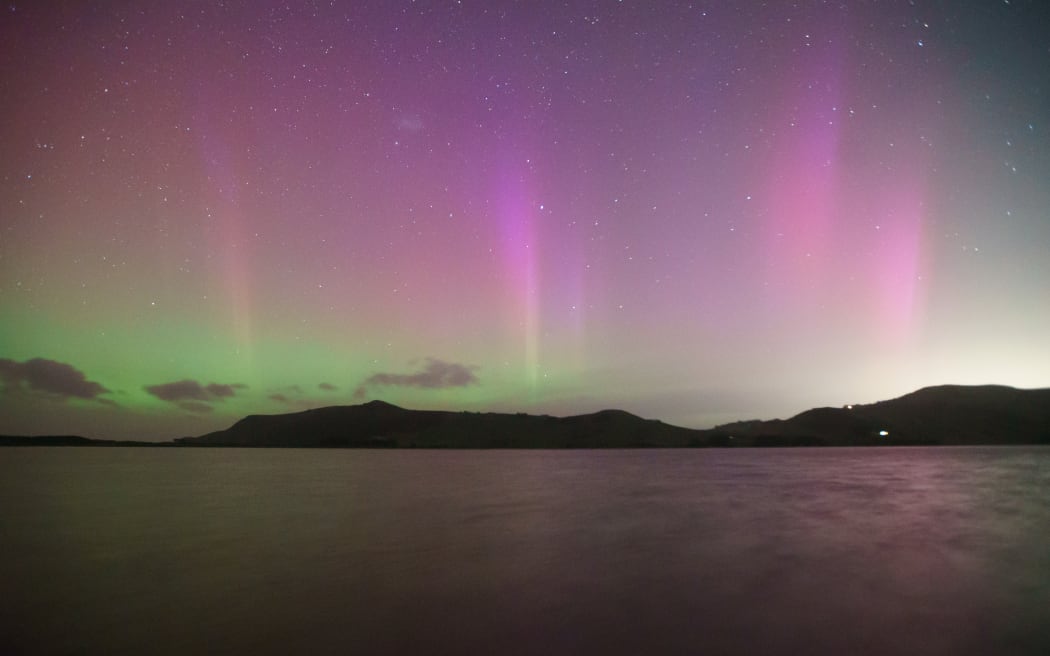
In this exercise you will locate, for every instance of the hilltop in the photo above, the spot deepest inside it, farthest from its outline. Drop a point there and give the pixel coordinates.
(379, 424)
(945, 414)
(942, 415)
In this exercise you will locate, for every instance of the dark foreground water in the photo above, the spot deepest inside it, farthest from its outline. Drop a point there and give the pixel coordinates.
(814, 551)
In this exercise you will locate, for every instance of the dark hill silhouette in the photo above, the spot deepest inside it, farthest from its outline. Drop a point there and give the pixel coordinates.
(67, 440)
(379, 424)
(946, 414)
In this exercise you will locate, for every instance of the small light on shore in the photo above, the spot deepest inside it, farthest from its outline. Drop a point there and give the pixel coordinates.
(884, 433)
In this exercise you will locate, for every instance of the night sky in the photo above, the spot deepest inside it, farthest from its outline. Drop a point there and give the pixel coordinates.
(697, 212)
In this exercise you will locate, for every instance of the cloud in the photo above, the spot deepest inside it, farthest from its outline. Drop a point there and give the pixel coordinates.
(196, 407)
(437, 374)
(292, 400)
(178, 391)
(328, 387)
(220, 391)
(191, 396)
(50, 378)
(287, 395)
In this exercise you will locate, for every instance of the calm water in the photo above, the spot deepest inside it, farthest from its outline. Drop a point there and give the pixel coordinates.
(815, 551)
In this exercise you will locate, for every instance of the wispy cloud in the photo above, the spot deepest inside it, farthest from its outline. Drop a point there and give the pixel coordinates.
(49, 378)
(191, 396)
(437, 374)
(292, 396)
(196, 407)
(222, 391)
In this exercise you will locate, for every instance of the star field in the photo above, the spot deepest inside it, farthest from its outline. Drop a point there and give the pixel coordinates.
(698, 212)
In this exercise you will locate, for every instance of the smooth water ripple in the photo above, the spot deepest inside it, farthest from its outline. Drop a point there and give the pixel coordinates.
(795, 551)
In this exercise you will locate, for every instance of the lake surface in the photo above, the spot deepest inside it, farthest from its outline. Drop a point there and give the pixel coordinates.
(795, 551)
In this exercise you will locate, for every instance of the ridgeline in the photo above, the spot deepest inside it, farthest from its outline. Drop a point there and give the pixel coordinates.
(943, 415)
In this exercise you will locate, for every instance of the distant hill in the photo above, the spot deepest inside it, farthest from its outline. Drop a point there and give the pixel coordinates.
(379, 424)
(67, 440)
(947, 414)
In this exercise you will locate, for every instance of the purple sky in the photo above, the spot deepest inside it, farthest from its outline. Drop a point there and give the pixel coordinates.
(697, 212)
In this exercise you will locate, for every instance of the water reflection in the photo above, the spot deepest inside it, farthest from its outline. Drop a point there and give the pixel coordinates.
(877, 551)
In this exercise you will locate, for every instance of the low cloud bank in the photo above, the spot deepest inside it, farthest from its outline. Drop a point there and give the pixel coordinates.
(437, 374)
(192, 396)
(49, 378)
